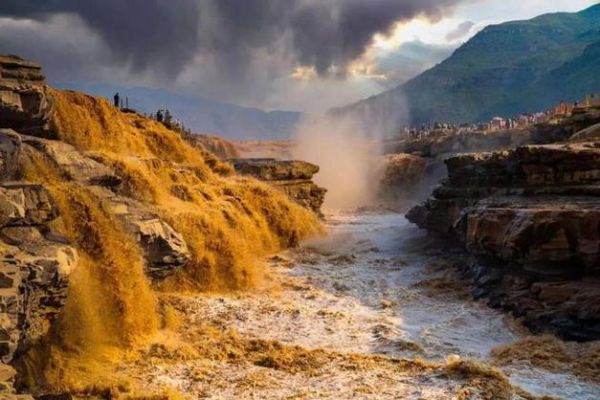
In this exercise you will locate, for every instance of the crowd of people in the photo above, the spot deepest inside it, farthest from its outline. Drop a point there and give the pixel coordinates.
(562, 110)
(163, 116)
(565, 108)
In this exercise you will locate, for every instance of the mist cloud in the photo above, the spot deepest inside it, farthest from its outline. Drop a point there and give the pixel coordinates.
(462, 30)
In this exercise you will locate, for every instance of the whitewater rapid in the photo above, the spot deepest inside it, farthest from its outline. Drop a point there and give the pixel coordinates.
(375, 285)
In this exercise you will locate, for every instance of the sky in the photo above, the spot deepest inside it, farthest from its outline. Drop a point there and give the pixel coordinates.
(305, 55)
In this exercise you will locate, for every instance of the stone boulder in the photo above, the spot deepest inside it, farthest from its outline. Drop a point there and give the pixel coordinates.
(270, 169)
(165, 249)
(10, 148)
(293, 177)
(25, 104)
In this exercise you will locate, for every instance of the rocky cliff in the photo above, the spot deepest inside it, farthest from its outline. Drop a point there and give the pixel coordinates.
(438, 145)
(36, 262)
(98, 209)
(292, 177)
(402, 178)
(24, 103)
(531, 217)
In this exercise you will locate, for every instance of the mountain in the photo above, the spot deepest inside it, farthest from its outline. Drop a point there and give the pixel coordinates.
(506, 69)
(199, 114)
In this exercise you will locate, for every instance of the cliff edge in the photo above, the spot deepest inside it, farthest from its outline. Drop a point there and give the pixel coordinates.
(531, 218)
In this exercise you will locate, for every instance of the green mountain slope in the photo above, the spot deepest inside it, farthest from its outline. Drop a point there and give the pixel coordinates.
(506, 69)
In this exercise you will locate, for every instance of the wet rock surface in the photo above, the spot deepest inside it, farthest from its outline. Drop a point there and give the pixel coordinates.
(163, 247)
(35, 263)
(531, 216)
(293, 177)
(270, 169)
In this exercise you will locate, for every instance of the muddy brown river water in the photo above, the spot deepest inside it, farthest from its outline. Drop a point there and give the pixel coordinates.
(372, 286)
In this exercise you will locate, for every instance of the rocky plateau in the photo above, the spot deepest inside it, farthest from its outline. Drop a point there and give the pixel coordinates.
(292, 176)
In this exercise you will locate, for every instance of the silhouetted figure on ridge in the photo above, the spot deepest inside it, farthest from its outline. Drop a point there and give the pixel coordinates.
(159, 116)
(117, 99)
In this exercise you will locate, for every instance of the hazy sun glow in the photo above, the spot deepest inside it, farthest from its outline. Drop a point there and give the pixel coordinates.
(304, 73)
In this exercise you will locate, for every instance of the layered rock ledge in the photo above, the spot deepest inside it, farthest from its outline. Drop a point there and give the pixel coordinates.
(531, 217)
(24, 101)
(292, 177)
(35, 263)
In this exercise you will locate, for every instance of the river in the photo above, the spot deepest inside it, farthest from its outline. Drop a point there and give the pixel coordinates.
(374, 285)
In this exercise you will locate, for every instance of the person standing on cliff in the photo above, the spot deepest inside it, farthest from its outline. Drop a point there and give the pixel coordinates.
(117, 99)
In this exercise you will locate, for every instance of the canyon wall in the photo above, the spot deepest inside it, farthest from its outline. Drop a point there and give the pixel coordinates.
(531, 218)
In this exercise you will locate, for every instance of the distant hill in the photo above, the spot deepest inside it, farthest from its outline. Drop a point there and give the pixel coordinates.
(200, 114)
(506, 69)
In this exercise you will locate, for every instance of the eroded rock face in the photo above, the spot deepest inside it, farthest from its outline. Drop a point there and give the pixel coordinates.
(448, 143)
(591, 133)
(293, 177)
(33, 289)
(24, 204)
(164, 249)
(34, 263)
(532, 217)
(24, 101)
(10, 148)
(34, 270)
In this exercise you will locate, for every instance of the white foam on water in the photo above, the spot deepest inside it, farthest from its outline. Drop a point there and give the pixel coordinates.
(356, 291)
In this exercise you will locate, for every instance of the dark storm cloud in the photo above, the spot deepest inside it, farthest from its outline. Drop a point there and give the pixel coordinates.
(142, 33)
(337, 32)
(165, 35)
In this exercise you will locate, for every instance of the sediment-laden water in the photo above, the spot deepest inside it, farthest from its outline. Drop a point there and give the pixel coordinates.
(374, 285)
